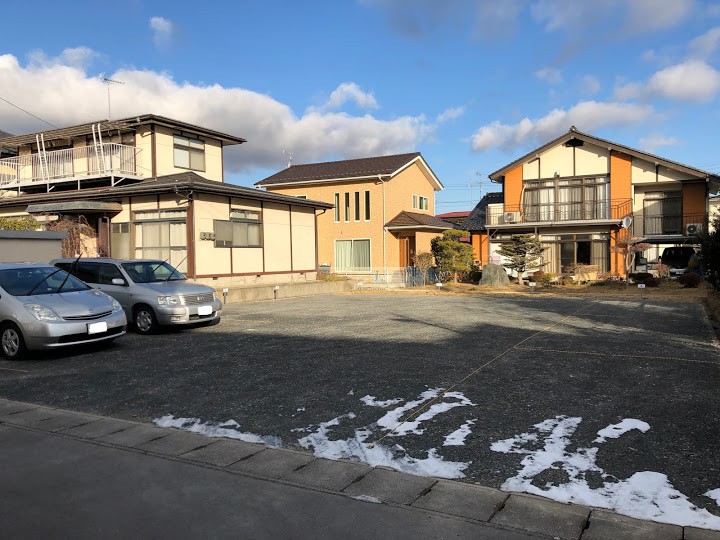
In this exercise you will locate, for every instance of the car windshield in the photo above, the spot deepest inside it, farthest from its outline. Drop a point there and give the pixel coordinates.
(151, 271)
(39, 280)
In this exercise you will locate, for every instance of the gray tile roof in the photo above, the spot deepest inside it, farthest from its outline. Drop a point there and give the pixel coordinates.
(332, 170)
(476, 220)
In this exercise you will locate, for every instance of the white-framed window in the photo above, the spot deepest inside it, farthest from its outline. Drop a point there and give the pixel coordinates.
(337, 208)
(420, 202)
(161, 234)
(189, 153)
(367, 205)
(352, 255)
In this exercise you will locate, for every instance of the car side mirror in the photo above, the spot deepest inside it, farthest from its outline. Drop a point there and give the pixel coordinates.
(118, 281)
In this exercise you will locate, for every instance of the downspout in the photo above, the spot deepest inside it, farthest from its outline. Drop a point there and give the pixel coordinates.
(384, 230)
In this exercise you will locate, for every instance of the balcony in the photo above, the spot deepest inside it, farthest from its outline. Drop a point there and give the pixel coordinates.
(107, 160)
(652, 226)
(559, 212)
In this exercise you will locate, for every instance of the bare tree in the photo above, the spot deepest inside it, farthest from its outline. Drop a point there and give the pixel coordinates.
(78, 232)
(424, 261)
(629, 246)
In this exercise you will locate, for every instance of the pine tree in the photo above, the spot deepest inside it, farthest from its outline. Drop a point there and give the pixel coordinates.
(523, 251)
(452, 255)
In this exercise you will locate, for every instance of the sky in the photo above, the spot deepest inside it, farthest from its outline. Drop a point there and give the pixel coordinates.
(472, 84)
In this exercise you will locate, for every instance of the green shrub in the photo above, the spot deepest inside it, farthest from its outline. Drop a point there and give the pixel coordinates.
(21, 224)
(652, 282)
(641, 277)
(542, 278)
(690, 280)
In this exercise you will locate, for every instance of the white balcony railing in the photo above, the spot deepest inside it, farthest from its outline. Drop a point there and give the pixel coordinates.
(108, 159)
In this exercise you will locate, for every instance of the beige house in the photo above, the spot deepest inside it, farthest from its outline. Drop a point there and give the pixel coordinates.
(581, 194)
(152, 187)
(383, 211)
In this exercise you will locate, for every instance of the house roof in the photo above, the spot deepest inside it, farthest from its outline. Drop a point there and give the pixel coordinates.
(414, 220)
(573, 133)
(182, 182)
(451, 215)
(477, 218)
(348, 169)
(124, 124)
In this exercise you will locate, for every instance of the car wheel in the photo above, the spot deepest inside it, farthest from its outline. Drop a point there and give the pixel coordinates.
(144, 319)
(12, 344)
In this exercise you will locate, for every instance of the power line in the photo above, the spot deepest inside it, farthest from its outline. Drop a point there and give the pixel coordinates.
(28, 113)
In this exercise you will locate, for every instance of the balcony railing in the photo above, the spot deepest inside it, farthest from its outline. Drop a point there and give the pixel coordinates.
(108, 159)
(559, 212)
(675, 224)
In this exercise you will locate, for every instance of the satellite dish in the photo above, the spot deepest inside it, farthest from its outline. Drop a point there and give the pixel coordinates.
(626, 222)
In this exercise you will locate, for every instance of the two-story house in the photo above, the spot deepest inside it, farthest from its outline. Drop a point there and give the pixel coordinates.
(152, 187)
(383, 210)
(579, 194)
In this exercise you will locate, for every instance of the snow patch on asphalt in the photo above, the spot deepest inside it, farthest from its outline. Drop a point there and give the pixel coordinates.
(644, 495)
(360, 446)
(457, 437)
(228, 429)
(616, 430)
(371, 401)
(714, 494)
(368, 499)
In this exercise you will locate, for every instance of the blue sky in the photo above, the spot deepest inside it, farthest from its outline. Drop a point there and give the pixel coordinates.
(471, 84)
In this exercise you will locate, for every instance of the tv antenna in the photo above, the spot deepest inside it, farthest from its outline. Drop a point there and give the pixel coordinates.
(107, 82)
(290, 156)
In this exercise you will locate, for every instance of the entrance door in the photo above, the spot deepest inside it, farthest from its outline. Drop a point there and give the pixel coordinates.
(407, 251)
(103, 239)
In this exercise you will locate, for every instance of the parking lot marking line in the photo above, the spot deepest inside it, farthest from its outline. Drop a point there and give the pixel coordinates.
(640, 356)
(427, 404)
(12, 369)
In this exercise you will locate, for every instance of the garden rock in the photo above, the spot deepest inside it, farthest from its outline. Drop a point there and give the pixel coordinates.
(494, 275)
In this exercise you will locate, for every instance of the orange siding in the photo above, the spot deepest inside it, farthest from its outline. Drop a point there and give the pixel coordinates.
(512, 188)
(620, 176)
(480, 246)
(694, 198)
(617, 260)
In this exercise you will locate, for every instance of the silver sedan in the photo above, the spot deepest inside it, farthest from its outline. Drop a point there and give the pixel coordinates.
(43, 307)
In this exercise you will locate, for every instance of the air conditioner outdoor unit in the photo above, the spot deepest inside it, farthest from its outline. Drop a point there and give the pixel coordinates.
(512, 217)
(693, 228)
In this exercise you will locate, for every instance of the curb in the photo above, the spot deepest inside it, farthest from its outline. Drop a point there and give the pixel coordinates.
(470, 502)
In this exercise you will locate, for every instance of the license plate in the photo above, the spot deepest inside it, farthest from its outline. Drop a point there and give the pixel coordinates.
(204, 310)
(97, 327)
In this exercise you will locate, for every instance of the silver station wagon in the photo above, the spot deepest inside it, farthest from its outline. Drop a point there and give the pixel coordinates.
(43, 307)
(151, 292)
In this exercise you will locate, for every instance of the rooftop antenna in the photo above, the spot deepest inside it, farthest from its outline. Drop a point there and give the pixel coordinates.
(290, 156)
(107, 82)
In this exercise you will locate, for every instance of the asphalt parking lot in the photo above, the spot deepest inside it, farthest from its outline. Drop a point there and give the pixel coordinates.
(298, 372)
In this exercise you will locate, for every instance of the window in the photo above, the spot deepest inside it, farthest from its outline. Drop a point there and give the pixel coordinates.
(420, 202)
(567, 199)
(367, 206)
(347, 207)
(662, 212)
(107, 272)
(189, 153)
(357, 206)
(337, 207)
(162, 234)
(243, 230)
(352, 255)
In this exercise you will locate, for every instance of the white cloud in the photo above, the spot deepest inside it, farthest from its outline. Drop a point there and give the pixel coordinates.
(692, 80)
(705, 45)
(163, 31)
(652, 142)
(73, 57)
(450, 113)
(590, 85)
(550, 75)
(66, 95)
(586, 115)
(350, 92)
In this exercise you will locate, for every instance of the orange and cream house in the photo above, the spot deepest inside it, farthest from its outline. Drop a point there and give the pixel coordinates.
(383, 211)
(153, 187)
(579, 194)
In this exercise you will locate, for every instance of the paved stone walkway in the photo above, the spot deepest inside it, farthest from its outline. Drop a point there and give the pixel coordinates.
(504, 515)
